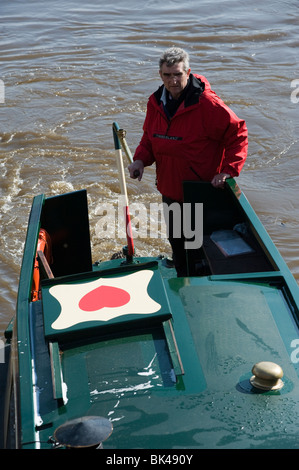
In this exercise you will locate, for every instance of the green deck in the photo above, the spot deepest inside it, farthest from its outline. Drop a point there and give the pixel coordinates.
(221, 330)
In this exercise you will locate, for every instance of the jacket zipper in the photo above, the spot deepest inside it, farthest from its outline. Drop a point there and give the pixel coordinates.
(168, 126)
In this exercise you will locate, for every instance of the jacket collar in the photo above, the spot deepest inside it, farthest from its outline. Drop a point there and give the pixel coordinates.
(195, 89)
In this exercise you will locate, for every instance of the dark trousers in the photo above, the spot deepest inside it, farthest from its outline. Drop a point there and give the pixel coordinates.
(175, 235)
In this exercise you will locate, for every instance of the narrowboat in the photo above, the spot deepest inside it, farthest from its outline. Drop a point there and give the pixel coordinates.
(123, 354)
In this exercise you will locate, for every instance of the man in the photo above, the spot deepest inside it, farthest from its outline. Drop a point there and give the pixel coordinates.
(190, 133)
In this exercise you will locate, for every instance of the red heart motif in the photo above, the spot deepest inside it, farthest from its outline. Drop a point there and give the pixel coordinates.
(104, 296)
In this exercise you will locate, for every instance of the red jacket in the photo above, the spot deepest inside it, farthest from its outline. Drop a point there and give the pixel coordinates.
(202, 139)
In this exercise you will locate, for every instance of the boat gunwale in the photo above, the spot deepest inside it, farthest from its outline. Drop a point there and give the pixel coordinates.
(21, 341)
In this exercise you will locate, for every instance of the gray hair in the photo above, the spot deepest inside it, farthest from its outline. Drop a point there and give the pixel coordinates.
(174, 55)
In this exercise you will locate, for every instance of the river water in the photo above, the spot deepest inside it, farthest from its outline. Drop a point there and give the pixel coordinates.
(69, 69)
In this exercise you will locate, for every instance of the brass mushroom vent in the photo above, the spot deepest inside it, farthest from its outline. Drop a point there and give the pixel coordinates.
(267, 376)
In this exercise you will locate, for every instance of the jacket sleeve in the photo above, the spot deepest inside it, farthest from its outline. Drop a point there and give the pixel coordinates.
(144, 150)
(231, 131)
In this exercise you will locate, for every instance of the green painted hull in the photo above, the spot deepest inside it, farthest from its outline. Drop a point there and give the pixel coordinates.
(174, 371)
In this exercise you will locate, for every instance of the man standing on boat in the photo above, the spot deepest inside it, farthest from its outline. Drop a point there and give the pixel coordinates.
(191, 135)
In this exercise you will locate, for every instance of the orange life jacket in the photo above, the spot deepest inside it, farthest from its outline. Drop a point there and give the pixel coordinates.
(44, 245)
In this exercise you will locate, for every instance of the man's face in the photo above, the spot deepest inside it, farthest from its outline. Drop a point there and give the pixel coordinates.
(174, 78)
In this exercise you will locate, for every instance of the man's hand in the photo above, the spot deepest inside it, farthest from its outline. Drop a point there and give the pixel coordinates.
(219, 180)
(136, 169)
